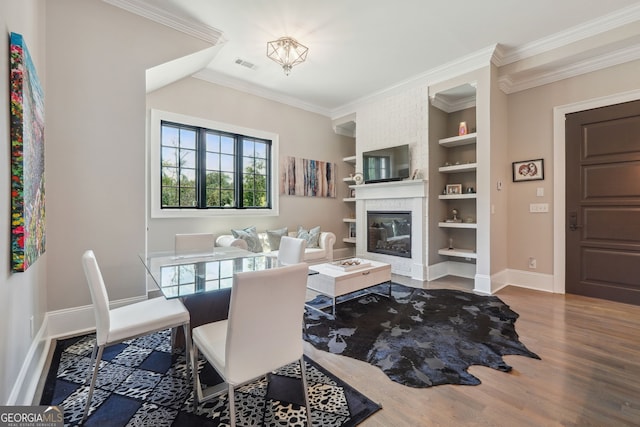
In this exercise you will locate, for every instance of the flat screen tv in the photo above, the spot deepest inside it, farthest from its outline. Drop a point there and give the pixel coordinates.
(386, 164)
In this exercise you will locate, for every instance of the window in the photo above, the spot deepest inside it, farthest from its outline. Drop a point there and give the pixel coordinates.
(209, 168)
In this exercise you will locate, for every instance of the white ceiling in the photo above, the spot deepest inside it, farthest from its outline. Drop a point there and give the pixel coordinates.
(358, 48)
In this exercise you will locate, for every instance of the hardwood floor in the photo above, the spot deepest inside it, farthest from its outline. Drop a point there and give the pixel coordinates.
(589, 374)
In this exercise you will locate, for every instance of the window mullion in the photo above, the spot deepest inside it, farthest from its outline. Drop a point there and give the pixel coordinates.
(239, 173)
(201, 175)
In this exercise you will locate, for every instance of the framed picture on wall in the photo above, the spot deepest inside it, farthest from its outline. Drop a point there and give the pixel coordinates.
(528, 170)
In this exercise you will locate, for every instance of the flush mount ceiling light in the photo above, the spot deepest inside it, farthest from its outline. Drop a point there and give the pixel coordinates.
(287, 52)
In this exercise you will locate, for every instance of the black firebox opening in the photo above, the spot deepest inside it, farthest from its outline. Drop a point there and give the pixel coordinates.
(389, 233)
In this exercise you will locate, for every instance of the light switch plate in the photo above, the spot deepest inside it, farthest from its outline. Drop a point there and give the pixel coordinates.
(538, 207)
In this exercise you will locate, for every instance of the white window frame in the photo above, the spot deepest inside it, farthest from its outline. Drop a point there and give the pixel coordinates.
(154, 173)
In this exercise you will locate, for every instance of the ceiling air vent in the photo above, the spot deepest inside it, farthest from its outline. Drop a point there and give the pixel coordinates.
(246, 64)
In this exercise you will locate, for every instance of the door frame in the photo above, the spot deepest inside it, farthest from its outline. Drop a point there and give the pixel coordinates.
(559, 175)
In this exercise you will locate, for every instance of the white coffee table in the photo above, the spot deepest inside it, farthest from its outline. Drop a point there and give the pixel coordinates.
(334, 282)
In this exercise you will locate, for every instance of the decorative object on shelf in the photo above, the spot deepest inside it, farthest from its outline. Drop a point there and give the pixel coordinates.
(27, 158)
(358, 178)
(454, 216)
(287, 52)
(450, 242)
(311, 178)
(462, 128)
(454, 188)
(470, 190)
(528, 170)
(469, 220)
(352, 193)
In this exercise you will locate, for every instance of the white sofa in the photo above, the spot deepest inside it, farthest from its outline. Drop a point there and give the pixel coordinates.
(324, 253)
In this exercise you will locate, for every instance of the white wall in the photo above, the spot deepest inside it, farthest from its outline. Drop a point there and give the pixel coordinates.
(301, 134)
(22, 295)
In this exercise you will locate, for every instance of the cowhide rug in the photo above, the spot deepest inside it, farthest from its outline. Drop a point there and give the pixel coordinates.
(418, 337)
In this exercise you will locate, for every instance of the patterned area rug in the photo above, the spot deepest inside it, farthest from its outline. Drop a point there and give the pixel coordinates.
(419, 338)
(141, 383)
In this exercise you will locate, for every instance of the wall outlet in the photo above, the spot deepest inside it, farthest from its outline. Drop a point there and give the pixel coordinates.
(533, 263)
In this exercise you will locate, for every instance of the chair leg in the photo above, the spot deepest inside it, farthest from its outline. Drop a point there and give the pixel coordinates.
(96, 366)
(195, 379)
(232, 407)
(303, 375)
(187, 347)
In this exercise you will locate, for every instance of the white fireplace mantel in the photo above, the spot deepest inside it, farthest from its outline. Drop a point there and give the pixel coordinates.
(409, 195)
(408, 189)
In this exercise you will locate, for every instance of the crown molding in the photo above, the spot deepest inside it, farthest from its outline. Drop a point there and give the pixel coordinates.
(450, 107)
(211, 76)
(148, 10)
(602, 24)
(512, 83)
(463, 65)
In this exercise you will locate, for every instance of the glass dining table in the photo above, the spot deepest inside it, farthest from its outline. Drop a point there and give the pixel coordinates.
(180, 276)
(203, 282)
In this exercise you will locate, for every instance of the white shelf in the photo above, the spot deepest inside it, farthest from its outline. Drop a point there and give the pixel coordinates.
(456, 141)
(349, 239)
(460, 253)
(349, 220)
(466, 167)
(349, 159)
(457, 196)
(457, 225)
(349, 199)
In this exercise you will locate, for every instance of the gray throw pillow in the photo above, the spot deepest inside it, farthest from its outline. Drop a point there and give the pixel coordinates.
(312, 236)
(249, 235)
(274, 237)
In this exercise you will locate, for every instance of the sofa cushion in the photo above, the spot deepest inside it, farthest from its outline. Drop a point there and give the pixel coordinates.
(312, 236)
(274, 237)
(249, 235)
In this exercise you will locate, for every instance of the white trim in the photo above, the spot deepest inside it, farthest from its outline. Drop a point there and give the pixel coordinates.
(580, 32)
(183, 24)
(511, 83)
(529, 280)
(26, 385)
(559, 174)
(482, 284)
(153, 176)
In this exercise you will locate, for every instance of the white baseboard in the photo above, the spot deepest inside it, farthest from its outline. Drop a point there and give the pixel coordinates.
(530, 280)
(26, 384)
(56, 324)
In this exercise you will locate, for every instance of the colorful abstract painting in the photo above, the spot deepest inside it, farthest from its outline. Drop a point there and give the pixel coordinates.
(312, 178)
(27, 158)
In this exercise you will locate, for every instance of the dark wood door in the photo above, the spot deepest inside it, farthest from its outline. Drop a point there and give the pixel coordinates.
(603, 203)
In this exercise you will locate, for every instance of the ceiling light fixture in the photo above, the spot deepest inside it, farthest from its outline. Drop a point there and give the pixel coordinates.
(287, 52)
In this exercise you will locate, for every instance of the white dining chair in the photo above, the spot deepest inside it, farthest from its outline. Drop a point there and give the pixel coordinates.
(130, 321)
(291, 250)
(194, 243)
(263, 332)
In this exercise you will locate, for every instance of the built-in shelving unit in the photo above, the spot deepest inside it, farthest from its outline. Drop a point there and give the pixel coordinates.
(454, 158)
(445, 224)
(457, 141)
(350, 222)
